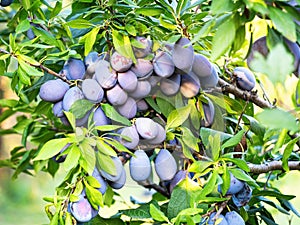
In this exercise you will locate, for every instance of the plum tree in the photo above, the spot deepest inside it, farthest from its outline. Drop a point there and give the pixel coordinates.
(234, 218)
(165, 165)
(53, 90)
(140, 166)
(179, 176)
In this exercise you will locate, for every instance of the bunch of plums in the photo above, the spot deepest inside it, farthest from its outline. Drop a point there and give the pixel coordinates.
(230, 218)
(240, 191)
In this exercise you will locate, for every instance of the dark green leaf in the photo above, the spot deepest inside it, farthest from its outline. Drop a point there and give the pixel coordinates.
(81, 107)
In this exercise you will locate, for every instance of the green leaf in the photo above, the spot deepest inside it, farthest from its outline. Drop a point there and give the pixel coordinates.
(149, 11)
(72, 158)
(206, 132)
(278, 119)
(277, 66)
(105, 163)
(235, 140)
(90, 39)
(165, 106)
(157, 215)
(178, 116)
(81, 107)
(218, 7)
(71, 118)
(8, 103)
(105, 148)
(56, 10)
(226, 180)
(51, 148)
(200, 166)
(92, 181)
(79, 24)
(283, 23)
(88, 158)
(214, 147)
(287, 152)
(94, 196)
(167, 24)
(223, 38)
(122, 45)
(23, 26)
(111, 113)
(209, 186)
(189, 139)
(108, 127)
(241, 175)
(130, 29)
(242, 164)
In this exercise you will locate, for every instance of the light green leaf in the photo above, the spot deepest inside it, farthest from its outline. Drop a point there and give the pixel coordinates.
(94, 196)
(178, 116)
(90, 39)
(88, 158)
(278, 119)
(51, 148)
(111, 113)
(235, 140)
(108, 127)
(189, 139)
(206, 132)
(105, 163)
(223, 38)
(287, 152)
(167, 24)
(79, 24)
(209, 186)
(71, 118)
(105, 148)
(92, 181)
(149, 11)
(23, 26)
(200, 166)
(30, 70)
(157, 214)
(72, 158)
(130, 29)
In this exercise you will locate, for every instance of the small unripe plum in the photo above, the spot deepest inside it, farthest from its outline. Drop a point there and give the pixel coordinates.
(201, 66)
(6, 3)
(163, 64)
(119, 169)
(105, 75)
(92, 90)
(58, 109)
(245, 79)
(146, 50)
(76, 69)
(183, 55)
(71, 96)
(146, 127)
(128, 81)
(170, 86)
(233, 218)
(82, 210)
(53, 90)
(142, 105)
(143, 68)
(132, 134)
(209, 113)
(210, 81)
(220, 218)
(160, 137)
(118, 184)
(243, 196)
(103, 185)
(90, 62)
(190, 85)
(143, 89)
(99, 118)
(116, 95)
(120, 63)
(179, 176)
(128, 109)
(236, 185)
(139, 166)
(165, 165)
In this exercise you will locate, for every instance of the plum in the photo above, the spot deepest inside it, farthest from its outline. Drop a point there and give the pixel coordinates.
(179, 176)
(295, 51)
(118, 184)
(154, 80)
(128, 109)
(201, 66)
(128, 81)
(220, 220)
(6, 3)
(30, 34)
(260, 46)
(163, 64)
(233, 218)
(99, 118)
(139, 166)
(82, 210)
(53, 90)
(116, 95)
(165, 165)
(146, 127)
(119, 62)
(209, 113)
(245, 79)
(103, 185)
(143, 68)
(75, 68)
(210, 81)
(236, 185)
(92, 90)
(58, 109)
(243, 196)
(90, 62)
(170, 86)
(105, 75)
(82, 122)
(142, 105)
(190, 85)
(119, 169)
(160, 137)
(72, 95)
(146, 50)
(143, 89)
(130, 132)
(183, 55)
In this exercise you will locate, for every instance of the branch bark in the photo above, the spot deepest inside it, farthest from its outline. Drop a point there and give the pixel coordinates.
(271, 166)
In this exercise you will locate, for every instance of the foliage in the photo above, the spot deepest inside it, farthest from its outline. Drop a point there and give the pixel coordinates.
(242, 134)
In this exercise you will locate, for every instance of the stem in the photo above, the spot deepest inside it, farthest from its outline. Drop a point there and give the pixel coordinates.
(271, 166)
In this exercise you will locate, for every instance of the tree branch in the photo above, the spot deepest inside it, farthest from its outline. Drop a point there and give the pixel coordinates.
(271, 166)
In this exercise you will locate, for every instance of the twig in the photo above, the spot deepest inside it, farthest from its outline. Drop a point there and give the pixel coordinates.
(271, 166)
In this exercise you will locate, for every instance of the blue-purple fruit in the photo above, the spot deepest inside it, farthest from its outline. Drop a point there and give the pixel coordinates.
(190, 85)
(128, 109)
(143, 68)
(53, 90)
(119, 62)
(220, 220)
(201, 66)
(99, 118)
(129, 132)
(92, 91)
(163, 64)
(116, 95)
(75, 69)
(183, 55)
(233, 218)
(119, 169)
(139, 166)
(71, 96)
(142, 52)
(142, 90)
(103, 185)
(118, 184)
(171, 85)
(165, 165)
(105, 75)
(243, 196)
(245, 79)
(128, 81)
(146, 127)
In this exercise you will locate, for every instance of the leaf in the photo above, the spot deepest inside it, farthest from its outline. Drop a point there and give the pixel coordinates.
(149, 11)
(105, 163)
(88, 158)
(71, 118)
(241, 175)
(23, 26)
(235, 140)
(165, 106)
(92, 181)
(141, 212)
(90, 39)
(200, 166)
(94, 196)
(287, 152)
(51, 148)
(223, 38)
(218, 7)
(72, 158)
(242, 164)
(157, 215)
(284, 23)
(167, 24)
(278, 119)
(209, 186)
(189, 139)
(108, 127)
(226, 180)
(105, 148)
(8, 103)
(111, 113)
(79, 24)
(206, 132)
(277, 66)
(178, 116)
(81, 107)
(214, 147)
